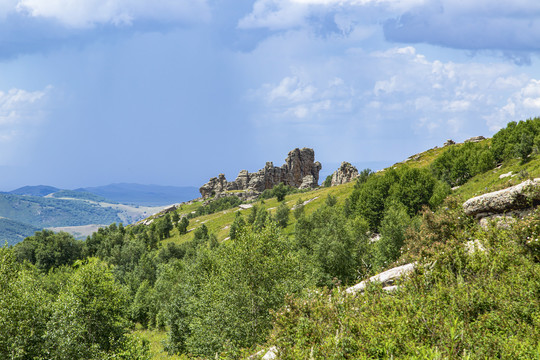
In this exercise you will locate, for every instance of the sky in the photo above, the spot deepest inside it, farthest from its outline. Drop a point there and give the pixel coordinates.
(173, 92)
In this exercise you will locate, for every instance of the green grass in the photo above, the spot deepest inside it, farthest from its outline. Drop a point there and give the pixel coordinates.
(156, 339)
(490, 181)
(219, 223)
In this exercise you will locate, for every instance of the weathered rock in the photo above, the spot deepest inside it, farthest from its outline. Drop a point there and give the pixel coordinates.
(271, 354)
(522, 196)
(449, 142)
(308, 182)
(300, 170)
(386, 278)
(505, 220)
(346, 173)
(304, 203)
(475, 139)
(508, 174)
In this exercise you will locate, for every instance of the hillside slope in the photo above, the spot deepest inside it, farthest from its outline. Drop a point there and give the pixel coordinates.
(268, 278)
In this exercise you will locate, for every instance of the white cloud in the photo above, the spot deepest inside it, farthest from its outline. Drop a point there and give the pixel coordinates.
(86, 13)
(294, 98)
(21, 113)
(522, 104)
(387, 92)
(292, 90)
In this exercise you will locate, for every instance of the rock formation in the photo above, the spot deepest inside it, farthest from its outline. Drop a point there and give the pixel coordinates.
(516, 197)
(475, 139)
(449, 142)
(346, 173)
(505, 204)
(300, 170)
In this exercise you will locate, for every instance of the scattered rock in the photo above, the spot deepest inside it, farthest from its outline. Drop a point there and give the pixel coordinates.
(245, 206)
(346, 173)
(386, 278)
(304, 203)
(271, 354)
(475, 139)
(502, 176)
(300, 170)
(374, 238)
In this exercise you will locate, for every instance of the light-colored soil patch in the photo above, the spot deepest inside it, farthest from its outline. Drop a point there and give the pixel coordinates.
(79, 232)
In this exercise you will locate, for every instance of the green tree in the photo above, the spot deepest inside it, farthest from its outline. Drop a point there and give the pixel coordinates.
(47, 250)
(165, 226)
(89, 317)
(298, 210)
(175, 217)
(237, 224)
(182, 225)
(328, 181)
(280, 191)
(393, 226)
(282, 215)
(525, 146)
(24, 310)
(248, 277)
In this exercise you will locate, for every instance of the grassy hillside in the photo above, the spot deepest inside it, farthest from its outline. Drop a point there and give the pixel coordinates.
(249, 277)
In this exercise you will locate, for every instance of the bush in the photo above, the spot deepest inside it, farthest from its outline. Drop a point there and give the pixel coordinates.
(282, 215)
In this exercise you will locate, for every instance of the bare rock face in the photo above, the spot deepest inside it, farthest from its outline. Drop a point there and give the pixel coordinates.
(475, 139)
(300, 170)
(522, 196)
(346, 173)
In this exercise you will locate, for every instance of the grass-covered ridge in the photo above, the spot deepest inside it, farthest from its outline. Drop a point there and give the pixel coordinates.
(238, 278)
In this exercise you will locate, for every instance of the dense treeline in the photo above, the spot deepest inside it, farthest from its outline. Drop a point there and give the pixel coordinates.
(217, 298)
(459, 163)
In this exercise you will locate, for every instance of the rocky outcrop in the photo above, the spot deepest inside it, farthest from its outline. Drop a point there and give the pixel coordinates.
(300, 170)
(386, 278)
(346, 173)
(475, 139)
(449, 142)
(522, 196)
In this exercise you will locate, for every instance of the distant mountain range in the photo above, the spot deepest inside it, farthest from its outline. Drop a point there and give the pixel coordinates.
(30, 208)
(148, 195)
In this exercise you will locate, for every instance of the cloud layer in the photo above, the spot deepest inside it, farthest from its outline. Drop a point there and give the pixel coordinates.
(87, 13)
(511, 27)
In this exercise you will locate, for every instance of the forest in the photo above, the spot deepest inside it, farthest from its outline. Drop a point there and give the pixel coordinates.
(278, 278)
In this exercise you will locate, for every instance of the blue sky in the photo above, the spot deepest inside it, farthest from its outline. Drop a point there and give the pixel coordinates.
(173, 92)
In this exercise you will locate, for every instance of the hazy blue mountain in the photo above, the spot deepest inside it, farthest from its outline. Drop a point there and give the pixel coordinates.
(81, 195)
(38, 190)
(48, 212)
(148, 195)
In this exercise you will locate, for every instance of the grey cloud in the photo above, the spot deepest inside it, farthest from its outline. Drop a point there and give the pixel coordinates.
(515, 35)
